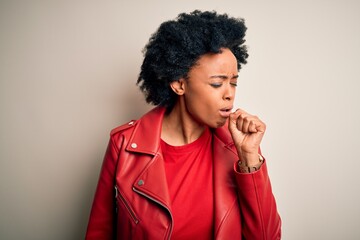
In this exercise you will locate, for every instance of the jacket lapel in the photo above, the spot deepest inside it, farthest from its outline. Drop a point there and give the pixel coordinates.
(145, 139)
(224, 155)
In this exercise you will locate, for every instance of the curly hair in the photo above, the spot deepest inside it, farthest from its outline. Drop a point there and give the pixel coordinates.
(177, 45)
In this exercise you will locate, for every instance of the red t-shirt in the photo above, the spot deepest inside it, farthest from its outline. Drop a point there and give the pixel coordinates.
(190, 180)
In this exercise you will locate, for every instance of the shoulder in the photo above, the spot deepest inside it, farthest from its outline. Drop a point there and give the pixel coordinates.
(119, 134)
(152, 116)
(125, 129)
(145, 131)
(147, 123)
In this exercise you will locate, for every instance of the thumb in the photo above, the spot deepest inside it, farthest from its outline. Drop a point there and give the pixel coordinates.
(233, 118)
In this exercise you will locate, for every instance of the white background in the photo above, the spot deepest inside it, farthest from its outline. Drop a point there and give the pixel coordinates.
(67, 77)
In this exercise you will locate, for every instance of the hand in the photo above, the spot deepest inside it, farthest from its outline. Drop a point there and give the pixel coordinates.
(247, 132)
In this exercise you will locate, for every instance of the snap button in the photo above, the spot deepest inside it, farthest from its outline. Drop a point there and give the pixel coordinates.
(134, 145)
(141, 182)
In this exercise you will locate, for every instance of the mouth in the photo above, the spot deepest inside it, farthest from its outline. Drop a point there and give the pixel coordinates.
(225, 112)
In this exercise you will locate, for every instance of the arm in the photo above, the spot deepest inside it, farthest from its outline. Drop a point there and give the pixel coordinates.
(257, 203)
(102, 216)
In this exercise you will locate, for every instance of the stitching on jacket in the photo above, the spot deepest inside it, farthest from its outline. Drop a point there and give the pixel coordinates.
(225, 217)
(259, 206)
(114, 146)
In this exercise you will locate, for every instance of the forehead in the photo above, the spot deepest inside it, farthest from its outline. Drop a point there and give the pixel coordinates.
(224, 62)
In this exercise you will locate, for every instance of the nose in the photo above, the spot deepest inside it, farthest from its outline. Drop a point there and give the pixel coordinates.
(229, 92)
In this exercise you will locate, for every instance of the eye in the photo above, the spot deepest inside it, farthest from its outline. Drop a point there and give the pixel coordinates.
(234, 84)
(216, 85)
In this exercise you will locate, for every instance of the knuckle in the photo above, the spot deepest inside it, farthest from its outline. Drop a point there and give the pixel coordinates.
(243, 116)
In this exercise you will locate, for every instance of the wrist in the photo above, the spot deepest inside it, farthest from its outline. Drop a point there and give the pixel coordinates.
(250, 159)
(245, 167)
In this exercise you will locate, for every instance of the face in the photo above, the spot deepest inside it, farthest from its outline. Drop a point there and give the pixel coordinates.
(209, 90)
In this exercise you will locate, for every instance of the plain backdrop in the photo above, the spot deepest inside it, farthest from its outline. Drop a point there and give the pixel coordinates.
(68, 73)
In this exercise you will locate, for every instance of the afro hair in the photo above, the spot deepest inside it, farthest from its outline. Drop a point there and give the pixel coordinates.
(177, 45)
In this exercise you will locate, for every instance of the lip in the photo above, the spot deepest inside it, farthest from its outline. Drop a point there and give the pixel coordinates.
(225, 112)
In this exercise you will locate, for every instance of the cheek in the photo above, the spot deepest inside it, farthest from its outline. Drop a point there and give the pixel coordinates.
(197, 106)
(204, 101)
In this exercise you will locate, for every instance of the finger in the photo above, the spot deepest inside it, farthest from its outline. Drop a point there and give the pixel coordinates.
(240, 111)
(240, 122)
(260, 126)
(257, 125)
(249, 124)
(233, 118)
(233, 121)
(235, 115)
(245, 124)
(252, 126)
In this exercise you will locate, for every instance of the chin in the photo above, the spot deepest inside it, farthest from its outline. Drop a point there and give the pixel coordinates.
(219, 124)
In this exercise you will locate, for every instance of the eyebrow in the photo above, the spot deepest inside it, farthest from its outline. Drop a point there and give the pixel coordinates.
(224, 76)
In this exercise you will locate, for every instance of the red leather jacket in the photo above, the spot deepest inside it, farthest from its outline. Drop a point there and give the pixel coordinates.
(132, 199)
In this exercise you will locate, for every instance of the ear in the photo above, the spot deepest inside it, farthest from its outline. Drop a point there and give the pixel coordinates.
(178, 86)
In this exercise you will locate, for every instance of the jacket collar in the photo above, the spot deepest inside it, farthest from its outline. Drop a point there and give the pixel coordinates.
(147, 133)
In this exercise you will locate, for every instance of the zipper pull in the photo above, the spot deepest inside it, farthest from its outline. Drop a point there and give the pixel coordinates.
(116, 192)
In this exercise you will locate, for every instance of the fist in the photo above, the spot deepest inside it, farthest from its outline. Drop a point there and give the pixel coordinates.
(247, 132)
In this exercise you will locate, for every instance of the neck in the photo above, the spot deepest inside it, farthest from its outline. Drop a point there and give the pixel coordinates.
(179, 127)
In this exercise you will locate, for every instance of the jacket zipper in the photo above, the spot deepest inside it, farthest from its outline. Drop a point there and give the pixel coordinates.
(127, 206)
(156, 201)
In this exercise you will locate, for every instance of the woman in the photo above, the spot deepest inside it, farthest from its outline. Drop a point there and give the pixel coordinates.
(190, 168)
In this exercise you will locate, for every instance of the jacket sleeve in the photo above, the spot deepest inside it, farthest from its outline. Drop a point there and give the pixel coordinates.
(257, 205)
(102, 217)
